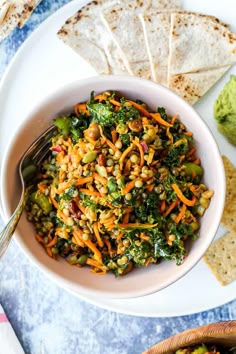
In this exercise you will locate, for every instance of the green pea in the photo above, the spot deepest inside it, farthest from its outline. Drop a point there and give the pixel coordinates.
(72, 259)
(42, 201)
(54, 250)
(83, 259)
(89, 157)
(192, 168)
(63, 124)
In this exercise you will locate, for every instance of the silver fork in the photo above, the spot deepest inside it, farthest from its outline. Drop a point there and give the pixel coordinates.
(28, 164)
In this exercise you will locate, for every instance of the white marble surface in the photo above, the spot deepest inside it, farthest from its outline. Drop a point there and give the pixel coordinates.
(49, 320)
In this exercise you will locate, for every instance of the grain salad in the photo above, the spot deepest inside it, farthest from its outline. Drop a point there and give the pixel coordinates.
(121, 187)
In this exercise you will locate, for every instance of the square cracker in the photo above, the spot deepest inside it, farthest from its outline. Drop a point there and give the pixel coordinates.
(221, 258)
(229, 214)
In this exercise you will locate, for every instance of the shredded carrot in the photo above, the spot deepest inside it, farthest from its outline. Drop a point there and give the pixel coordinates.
(170, 208)
(124, 154)
(163, 206)
(173, 119)
(42, 187)
(108, 221)
(101, 179)
(97, 234)
(101, 97)
(137, 226)
(39, 238)
(180, 141)
(97, 265)
(113, 136)
(191, 152)
(180, 195)
(150, 156)
(63, 186)
(88, 192)
(54, 202)
(147, 261)
(126, 216)
(53, 242)
(140, 108)
(130, 185)
(111, 227)
(108, 244)
(81, 108)
(150, 187)
(119, 237)
(139, 146)
(127, 167)
(77, 240)
(145, 121)
(111, 145)
(62, 216)
(90, 187)
(197, 161)
(144, 237)
(169, 135)
(154, 163)
(84, 180)
(115, 103)
(49, 252)
(81, 208)
(92, 246)
(181, 214)
(158, 119)
(188, 133)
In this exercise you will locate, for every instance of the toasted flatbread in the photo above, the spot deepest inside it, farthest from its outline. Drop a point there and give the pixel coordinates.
(127, 33)
(156, 29)
(15, 13)
(199, 42)
(221, 258)
(85, 33)
(229, 213)
(124, 25)
(192, 86)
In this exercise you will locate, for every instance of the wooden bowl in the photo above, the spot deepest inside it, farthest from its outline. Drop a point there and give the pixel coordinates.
(220, 333)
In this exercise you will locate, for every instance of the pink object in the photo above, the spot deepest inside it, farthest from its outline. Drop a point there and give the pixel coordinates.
(9, 343)
(56, 148)
(3, 318)
(144, 146)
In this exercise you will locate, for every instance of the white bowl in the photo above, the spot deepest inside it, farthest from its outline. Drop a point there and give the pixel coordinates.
(140, 281)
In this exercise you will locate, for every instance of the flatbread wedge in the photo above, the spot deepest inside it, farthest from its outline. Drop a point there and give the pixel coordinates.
(192, 86)
(15, 13)
(221, 258)
(156, 29)
(124, 25)
(229, 213)
(199, 42)
(85, 33)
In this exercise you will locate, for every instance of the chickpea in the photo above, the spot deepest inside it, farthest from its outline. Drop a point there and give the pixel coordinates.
(92, 132)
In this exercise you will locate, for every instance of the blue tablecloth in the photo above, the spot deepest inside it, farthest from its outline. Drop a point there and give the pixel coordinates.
(49, 320)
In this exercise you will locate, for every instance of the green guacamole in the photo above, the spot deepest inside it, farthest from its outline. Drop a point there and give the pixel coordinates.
(225, 110)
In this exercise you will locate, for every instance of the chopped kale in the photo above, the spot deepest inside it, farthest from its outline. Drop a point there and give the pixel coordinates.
(69, 194)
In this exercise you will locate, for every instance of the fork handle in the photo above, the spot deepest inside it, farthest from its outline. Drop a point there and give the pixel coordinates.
(8, 231)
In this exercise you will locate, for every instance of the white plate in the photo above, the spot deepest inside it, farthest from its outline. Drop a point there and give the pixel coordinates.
(34, 72)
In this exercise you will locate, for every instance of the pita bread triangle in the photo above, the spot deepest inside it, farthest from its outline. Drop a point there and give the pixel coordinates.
(156, 29)
(192, 86)
(199, 42)
(85, 33)
(15, 13)
(124, 25)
